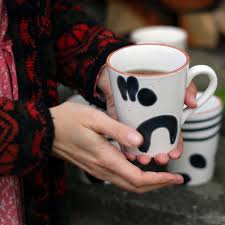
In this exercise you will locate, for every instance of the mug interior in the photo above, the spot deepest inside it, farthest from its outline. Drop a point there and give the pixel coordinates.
(150, 57)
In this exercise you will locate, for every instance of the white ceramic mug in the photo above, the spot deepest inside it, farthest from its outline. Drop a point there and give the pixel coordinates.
(153, 104)
(170, 35)
(197, 163)
(201, 136)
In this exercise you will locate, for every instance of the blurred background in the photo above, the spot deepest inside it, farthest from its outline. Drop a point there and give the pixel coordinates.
(203, 20)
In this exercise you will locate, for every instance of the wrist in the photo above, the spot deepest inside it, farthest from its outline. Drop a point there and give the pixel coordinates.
(55, 119)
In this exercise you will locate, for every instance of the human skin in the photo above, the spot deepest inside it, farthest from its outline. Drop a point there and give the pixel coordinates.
(80, 133)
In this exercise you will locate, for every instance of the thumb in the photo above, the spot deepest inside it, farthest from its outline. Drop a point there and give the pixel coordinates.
(120, 132)
(111, 110)
(190, 96)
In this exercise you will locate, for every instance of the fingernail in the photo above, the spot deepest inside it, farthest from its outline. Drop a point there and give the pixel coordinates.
(134, 139)
(174, 155)
(180, 179)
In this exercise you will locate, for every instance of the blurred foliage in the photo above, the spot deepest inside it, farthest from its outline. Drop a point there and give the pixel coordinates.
(221, 94)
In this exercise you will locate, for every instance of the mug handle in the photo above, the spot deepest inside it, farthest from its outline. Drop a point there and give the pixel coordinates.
(201, 100)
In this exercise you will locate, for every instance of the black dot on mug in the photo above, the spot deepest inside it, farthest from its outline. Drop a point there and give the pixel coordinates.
(146, 97)
(198, 161)
(186, 177)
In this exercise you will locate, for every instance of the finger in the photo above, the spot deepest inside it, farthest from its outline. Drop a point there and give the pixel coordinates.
(118, 181)
(115, 162)
(159, 178)
(111, 111)
(161, 159)
(176, 153)
(122, 133)
(134, 175)
(144, 159)
(111, 159)
(126, 186)
(105, 87)
(152, 188)
(103, 174)
(130, 156)
(190, 97)
(107, 175)
(104, 82)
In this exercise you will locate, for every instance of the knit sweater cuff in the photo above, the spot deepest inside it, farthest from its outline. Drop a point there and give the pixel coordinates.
(26, 138)
(48, 129)
(36, 135)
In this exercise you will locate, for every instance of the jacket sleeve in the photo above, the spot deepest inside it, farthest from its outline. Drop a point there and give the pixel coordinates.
(81, 46)
(26, 136)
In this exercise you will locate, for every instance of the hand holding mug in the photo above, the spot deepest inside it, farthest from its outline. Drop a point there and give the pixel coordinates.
(149, 83)
(82, 142)
(190, 101)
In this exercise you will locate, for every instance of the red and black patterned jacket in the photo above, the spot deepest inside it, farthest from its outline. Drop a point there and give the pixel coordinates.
(53, 41)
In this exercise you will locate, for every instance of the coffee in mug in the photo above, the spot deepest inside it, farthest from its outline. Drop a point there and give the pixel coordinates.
(145, 72)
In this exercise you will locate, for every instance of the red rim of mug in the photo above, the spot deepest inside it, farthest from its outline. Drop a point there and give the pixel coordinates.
(152, 75)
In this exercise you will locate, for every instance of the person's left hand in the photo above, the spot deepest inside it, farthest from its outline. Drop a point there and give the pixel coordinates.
(190, 101)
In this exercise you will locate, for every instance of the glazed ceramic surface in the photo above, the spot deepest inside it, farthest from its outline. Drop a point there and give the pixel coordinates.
(197, 162)
(203, 123)
(153, 104)
(170, 35)
(209, 111)
(201, 136)
(201, 133)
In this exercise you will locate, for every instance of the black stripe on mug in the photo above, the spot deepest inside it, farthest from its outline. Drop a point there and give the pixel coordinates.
(204, 120)
(201, 139)
(201, 129)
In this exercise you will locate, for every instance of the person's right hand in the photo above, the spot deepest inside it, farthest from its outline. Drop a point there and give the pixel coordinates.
(80, 139)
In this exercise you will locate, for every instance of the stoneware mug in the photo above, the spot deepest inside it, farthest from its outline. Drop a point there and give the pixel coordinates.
(169, 35)
(201, 134)
(148, 83)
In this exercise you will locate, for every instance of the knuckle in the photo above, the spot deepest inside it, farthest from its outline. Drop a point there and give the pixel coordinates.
(137, 182)
(119, 134)
(94, 162)
(98, 116)
(105, 162)
(101, 161)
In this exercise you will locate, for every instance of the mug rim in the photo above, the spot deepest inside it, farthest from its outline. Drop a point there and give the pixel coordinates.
(146, 75)
(162, 28)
